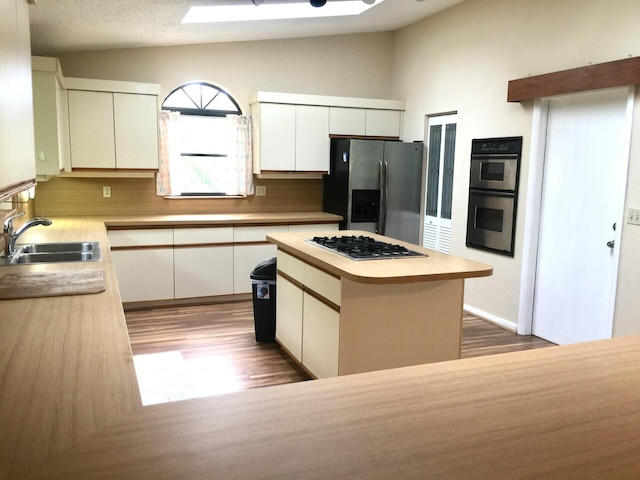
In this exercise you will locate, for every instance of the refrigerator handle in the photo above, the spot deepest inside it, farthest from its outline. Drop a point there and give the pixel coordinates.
(382, 220)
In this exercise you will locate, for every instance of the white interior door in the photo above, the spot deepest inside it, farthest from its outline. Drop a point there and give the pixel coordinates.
(582, 197)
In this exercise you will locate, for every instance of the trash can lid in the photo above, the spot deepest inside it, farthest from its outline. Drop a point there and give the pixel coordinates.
(264, 270)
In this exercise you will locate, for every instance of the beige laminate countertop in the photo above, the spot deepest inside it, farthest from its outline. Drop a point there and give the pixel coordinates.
(69, 408)
(246, 219)
(434, 266)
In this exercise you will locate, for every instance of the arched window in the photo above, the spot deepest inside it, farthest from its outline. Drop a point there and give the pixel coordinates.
(201, 133)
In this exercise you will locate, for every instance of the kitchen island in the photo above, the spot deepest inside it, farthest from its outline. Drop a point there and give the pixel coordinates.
(70, 409)
(338, 316)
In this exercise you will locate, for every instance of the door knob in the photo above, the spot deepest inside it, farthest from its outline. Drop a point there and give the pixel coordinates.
(611, 243)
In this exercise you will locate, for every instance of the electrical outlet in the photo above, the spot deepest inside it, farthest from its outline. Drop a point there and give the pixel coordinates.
(106, 191)
(633, 216)
(261, 190)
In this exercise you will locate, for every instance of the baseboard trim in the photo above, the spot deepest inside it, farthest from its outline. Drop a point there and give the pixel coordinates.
(181, 302)
(500, 322)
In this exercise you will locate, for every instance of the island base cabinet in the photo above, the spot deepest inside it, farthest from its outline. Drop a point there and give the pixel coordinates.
(396, 325)
(289, 302)
(320, 338)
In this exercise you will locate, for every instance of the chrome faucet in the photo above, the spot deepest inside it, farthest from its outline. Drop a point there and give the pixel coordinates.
(11, 235)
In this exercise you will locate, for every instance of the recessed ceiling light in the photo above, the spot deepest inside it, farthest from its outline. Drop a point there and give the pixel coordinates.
(274, 11)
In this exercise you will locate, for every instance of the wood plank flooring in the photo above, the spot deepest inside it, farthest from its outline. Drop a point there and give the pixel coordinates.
(193, 351)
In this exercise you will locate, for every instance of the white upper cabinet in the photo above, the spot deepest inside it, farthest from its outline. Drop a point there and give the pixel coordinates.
(136, 130)
(51, 117)
(91, 130)
(291, 132)
(347, 121)
(275, 127)
(312, 139)
(382, 123)
(17, 152)
(113, 129)
(364, 121)
(290, 138)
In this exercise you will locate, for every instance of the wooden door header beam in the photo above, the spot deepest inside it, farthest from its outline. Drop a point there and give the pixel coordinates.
(592, 77)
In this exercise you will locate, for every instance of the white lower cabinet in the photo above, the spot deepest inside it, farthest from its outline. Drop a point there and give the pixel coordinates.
(203, 261)
(177, 263)
(203, 271)
(320, 338)
(289, 317)
(145, 274)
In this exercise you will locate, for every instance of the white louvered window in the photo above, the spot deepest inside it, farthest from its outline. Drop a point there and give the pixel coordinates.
(441, 147)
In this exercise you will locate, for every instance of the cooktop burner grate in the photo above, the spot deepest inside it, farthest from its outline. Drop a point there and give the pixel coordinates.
(364, 248)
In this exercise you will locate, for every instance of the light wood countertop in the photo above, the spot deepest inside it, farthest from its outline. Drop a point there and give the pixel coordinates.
(435, 266)
(239, 219)
(69, 407)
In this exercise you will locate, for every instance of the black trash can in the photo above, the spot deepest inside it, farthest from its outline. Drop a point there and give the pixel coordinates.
(263, 286)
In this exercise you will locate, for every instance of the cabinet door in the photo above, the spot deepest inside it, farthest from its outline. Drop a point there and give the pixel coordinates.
(347, 121)
(17, 163)
(136, 130)
(320, 338)
(203, 271)
(277, 137)
(206, 270)
(289, 317)
(312, 139)
(91, 130)
(245, 259)
(145, 274)
(383, 123)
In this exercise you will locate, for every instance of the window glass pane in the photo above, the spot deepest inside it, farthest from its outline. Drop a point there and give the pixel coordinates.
(447, 174)
(202, 174)
(433, 170)
(178, 99)
(194, 91)
(203, 135)
(222, 102)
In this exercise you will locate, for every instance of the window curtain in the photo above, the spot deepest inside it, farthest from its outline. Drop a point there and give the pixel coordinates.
(239, 154)
(168, 151)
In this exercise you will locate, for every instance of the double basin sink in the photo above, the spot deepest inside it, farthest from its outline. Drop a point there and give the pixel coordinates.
(54, 252)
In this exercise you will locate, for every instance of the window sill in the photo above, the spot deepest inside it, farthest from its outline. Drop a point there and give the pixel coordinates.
(203, 197)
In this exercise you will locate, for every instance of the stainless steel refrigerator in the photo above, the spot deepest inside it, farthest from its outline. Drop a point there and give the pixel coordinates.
(376, 186)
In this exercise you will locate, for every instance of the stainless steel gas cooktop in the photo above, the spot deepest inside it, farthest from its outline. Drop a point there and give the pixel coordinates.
(364, 248)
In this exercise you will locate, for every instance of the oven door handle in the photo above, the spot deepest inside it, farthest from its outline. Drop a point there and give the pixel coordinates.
(382, 214)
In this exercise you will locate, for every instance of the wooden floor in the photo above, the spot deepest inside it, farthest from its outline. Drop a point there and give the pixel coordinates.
(195, 351)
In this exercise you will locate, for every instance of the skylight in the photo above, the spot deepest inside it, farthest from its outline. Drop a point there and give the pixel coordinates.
(274, 11)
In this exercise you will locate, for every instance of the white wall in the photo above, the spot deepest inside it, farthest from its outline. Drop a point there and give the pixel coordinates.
(462, 59)
(349, 65)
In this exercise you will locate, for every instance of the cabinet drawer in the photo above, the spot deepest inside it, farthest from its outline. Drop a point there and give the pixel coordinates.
(256, 234)
(291, 266)
(322, 283)
(190, 236)
(141, 238)
(314, 228)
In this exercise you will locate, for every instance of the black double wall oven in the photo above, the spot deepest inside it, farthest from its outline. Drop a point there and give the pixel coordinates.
(493, 193)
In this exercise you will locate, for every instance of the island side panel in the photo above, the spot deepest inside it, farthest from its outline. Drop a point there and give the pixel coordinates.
(396, 325)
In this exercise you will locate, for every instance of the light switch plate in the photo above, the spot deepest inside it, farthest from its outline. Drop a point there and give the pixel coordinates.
(633, 216)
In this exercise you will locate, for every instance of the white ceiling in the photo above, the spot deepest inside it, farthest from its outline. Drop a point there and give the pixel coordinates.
(80, 25)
